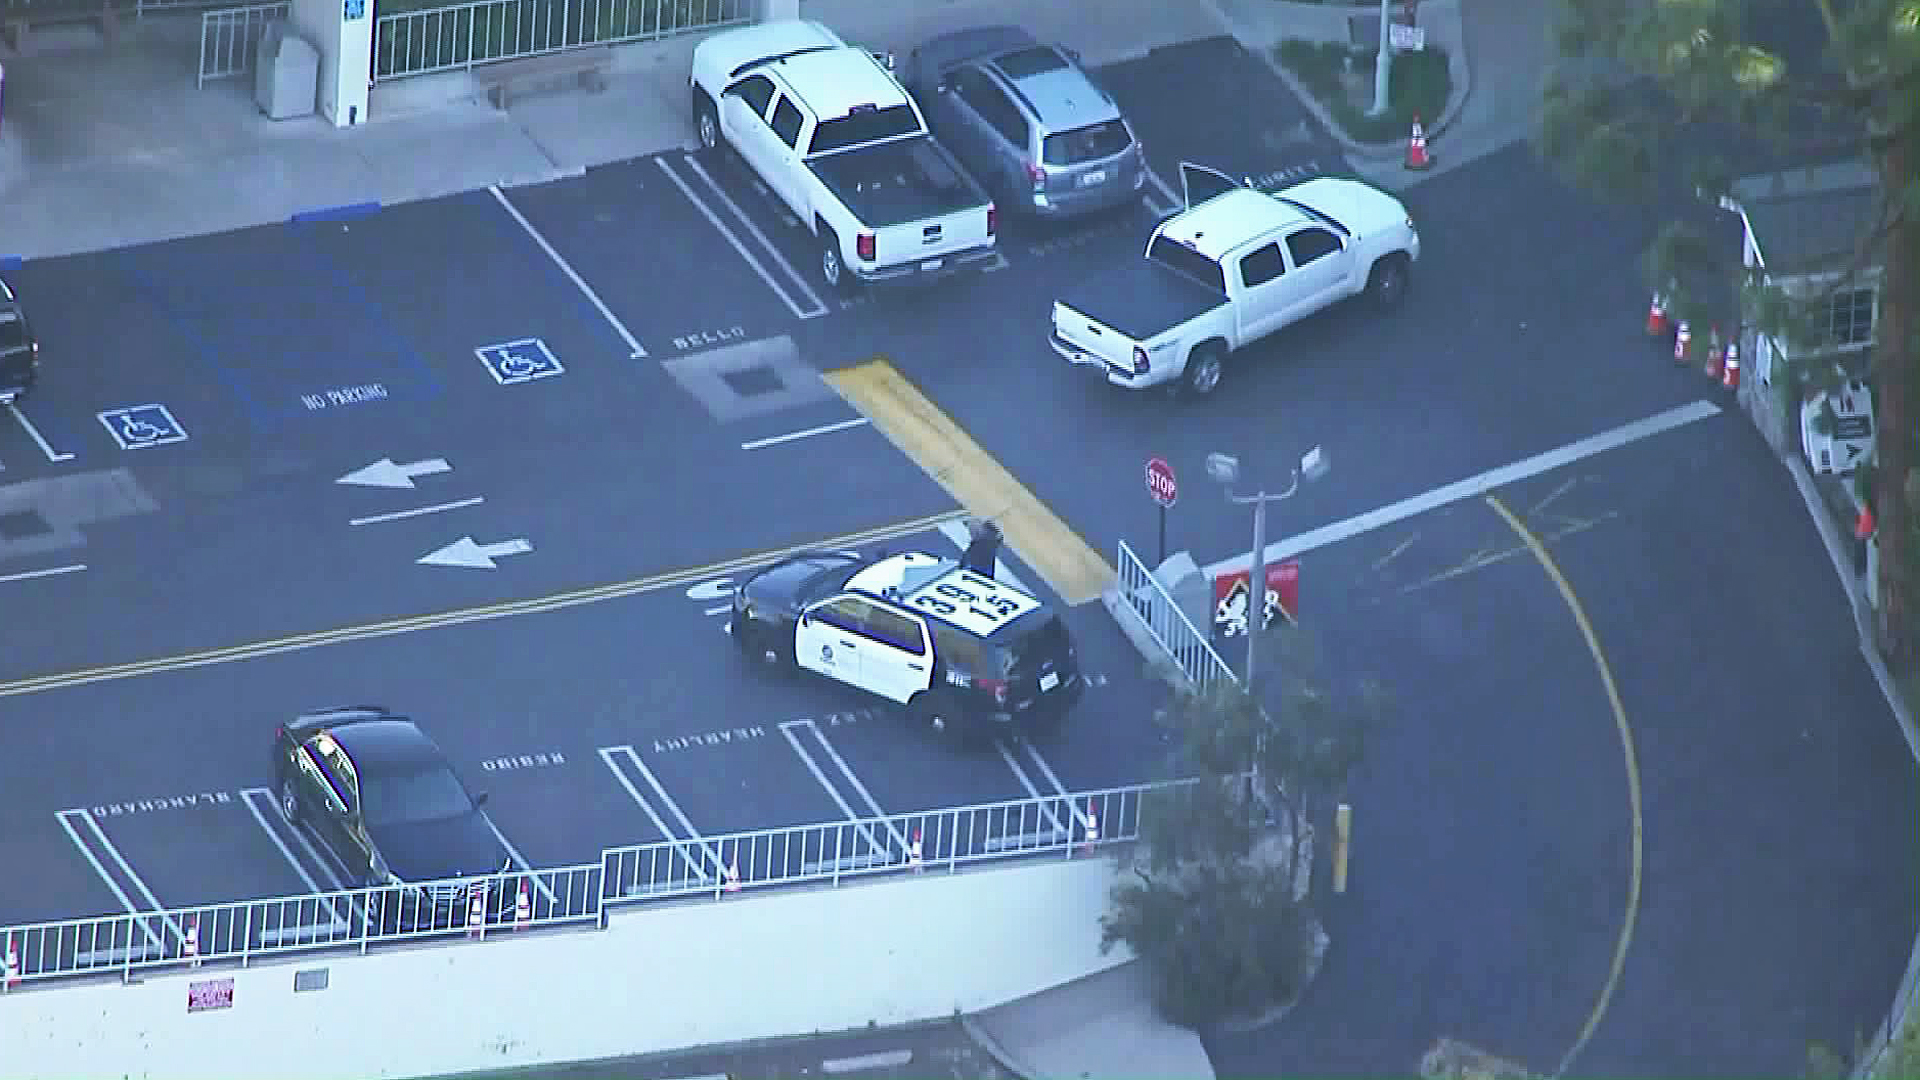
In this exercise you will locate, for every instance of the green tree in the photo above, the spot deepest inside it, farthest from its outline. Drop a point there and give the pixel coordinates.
(1213, 899)
(1649, 92)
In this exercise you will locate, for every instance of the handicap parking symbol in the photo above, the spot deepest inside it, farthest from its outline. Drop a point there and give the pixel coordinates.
(137, 427)
(519, 361)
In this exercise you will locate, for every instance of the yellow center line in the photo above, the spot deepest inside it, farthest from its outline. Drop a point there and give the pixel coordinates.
(507, 609)
(1633, 776)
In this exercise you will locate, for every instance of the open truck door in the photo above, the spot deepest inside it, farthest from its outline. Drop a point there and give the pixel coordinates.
(1198, 183)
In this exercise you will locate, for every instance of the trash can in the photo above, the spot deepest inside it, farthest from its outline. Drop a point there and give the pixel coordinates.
(286, 73)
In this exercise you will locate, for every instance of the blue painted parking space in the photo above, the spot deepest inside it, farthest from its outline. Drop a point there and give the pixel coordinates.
(525, 360)
(462, 278)
(668, 259)
(136, 427)
(281, 325)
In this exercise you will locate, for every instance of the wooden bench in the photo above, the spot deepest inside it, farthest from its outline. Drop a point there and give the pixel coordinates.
(16, 26)
(588, 65)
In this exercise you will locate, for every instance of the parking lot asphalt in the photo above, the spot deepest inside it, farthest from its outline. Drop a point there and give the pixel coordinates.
(594, 727)
(612, 379)
(1491, 854)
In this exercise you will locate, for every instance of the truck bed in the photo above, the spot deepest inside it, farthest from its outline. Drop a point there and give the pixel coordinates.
(1141, 298)
(899, 183)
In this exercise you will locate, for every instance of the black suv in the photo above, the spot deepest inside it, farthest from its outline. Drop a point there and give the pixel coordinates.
(19, 350)
(961, 651)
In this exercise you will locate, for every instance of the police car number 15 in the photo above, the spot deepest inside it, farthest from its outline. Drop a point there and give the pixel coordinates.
(947, 598)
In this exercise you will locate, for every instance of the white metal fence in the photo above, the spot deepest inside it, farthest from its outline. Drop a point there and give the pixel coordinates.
(230, 37)
(485, 31)
(1183, 643)
(476, 908)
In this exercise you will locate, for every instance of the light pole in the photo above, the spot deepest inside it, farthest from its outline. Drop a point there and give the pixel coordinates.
(1225, 470)
(1382, 65)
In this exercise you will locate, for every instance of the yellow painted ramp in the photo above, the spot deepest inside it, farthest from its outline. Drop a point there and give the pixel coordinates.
(944, 451)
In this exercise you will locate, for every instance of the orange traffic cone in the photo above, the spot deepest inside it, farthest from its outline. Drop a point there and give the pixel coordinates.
(1417, 147)
(477, 909)
(190, 945)
(523, 907)
(12, 977)
(1730, 369)
(732, 873)
(1712, 366)
(1657, 316)
(1683, 343)
(1093, 827)
(913, 852)
(1863, 526)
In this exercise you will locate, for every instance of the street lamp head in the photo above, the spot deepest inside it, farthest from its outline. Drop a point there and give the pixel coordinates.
(1223, 468)
(1314, 464)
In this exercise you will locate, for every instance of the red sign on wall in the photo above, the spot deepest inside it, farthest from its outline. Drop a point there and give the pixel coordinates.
(209, 994)
(1232, 593)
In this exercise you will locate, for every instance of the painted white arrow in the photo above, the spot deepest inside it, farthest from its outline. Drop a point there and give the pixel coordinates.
(464, 552)
(384, 473)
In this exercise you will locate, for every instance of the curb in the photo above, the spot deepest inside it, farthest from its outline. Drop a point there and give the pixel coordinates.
(1001, 1057)
(1838, 552)
(1459, 71)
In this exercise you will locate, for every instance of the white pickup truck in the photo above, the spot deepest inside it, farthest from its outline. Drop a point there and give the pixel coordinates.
(839, 141)
(1236, 265)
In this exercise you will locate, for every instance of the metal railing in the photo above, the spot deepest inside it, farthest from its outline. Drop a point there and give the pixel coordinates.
(463, 35)
(1183, 643)
(230, 37)
(356, 920)
(168, 7)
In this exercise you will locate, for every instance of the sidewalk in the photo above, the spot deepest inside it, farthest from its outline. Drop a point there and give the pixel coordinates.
(110, 145)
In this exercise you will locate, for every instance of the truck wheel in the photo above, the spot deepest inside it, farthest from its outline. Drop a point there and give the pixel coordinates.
(833, 269)
(1387, 282)
(1203, 371)
(706, 122)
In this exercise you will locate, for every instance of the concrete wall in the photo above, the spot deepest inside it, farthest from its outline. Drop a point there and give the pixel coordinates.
(657, 979)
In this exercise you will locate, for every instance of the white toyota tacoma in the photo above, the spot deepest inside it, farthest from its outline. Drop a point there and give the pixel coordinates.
(1236, 265)
(836, 138)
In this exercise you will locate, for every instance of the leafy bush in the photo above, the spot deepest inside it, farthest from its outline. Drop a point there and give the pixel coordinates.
(1418, 83)
(1214, 903)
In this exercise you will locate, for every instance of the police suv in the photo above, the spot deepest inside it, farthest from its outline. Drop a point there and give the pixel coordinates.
(964, 653)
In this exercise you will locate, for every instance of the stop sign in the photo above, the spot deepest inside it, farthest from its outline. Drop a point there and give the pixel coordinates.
(1160, 482)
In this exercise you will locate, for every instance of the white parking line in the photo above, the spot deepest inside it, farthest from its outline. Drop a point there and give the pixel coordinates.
(38, 440)
(112, 852)
(417, 511)
(519, 860)
(607, 755)
(787, 728)
(1170, 200)
(1020, 774)
(791, 436)
(1474, 486)
(25, 575)
(246, 796)
(565, 268)
(1053, 779)
(846, 770)
(816, 308)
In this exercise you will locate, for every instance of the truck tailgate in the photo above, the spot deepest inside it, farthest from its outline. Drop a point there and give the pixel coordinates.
(932, 238)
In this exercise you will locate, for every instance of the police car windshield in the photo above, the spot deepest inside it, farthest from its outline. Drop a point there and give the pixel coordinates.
(829, 580)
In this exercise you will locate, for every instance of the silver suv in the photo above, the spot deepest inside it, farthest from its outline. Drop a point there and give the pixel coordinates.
(1033, 127)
